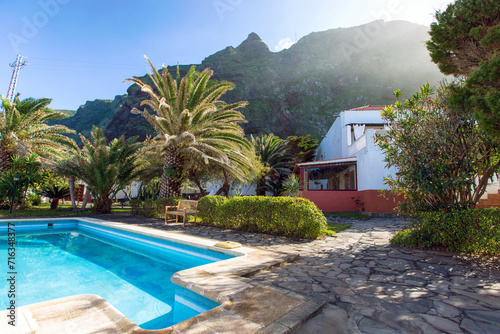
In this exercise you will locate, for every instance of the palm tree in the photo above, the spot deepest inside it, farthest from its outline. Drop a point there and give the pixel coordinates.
(23, 130)
(55, 193)
(271, 152)
(105, 169)
(190, 121)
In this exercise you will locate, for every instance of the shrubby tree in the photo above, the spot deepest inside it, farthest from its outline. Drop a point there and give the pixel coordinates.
(29, 170)
(190, 121)
(302, 148)
(444, 159)
(465, 42)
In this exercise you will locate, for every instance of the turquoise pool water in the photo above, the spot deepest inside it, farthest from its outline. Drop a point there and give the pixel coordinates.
(130, 271)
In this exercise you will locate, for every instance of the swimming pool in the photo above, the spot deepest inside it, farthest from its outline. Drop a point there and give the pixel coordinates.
(58, 258)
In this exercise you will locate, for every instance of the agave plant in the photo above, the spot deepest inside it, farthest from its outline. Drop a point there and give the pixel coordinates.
(292, 186)
(190, 121)
(55, 193)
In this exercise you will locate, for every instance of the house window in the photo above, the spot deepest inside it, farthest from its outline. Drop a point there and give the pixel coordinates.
(338, 177)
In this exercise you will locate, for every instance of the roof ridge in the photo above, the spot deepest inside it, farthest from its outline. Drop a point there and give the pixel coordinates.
(368, 107)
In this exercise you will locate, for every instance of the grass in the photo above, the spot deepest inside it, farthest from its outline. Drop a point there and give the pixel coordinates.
(63, 210)
(333, 228)
(353, 215)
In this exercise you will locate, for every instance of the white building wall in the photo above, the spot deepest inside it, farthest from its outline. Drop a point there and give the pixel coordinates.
(370, 159)
(134, 191)
(371, 165)
(493, 187)
(331, 146)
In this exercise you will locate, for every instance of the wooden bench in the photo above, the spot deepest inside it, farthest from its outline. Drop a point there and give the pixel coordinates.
(184, 208)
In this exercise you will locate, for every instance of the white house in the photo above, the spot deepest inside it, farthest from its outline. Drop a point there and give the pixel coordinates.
(350, 168)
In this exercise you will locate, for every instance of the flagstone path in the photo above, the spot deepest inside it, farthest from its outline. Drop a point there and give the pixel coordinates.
(371, 286)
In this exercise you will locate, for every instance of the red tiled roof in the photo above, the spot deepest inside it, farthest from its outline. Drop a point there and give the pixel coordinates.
(367, 107)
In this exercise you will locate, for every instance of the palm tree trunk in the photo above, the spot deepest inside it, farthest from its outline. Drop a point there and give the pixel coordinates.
(102, 205)
(71, 183)
(261, 187)
(5, 158)
(54, 204)
(225, 187)
(86, 197)
(172, 171)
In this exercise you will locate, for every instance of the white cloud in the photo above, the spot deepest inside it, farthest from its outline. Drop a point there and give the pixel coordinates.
(284, 43)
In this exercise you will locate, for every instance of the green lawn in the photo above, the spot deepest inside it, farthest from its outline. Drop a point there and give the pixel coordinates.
(333, 228)
(353, 215)
(63, 210)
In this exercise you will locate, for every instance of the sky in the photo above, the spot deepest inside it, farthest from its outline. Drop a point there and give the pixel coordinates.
(79, 50)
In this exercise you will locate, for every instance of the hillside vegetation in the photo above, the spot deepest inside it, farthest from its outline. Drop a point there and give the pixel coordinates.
(298, 90)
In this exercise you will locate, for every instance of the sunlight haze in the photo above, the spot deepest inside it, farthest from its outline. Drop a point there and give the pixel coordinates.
(82, 50)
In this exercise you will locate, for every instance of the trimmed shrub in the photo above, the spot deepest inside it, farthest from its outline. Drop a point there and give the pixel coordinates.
(474, 231)
(288, 216)
(152, 208)
(209, 208)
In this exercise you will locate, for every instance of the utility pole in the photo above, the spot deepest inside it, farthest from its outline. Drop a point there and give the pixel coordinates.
(17, 65)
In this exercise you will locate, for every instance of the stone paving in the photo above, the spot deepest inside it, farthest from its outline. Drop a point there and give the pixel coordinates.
(371, 286)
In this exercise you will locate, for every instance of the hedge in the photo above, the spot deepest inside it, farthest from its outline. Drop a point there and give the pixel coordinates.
(474, 231)
(288, 216)
(152, 208)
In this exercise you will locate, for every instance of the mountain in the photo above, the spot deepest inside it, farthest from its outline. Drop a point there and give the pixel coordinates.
(300, 89)
(97, 112)
(68, 112)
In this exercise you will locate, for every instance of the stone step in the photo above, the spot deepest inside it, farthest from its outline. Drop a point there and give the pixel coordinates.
(489, 201)
(494, 196)
(479, 206)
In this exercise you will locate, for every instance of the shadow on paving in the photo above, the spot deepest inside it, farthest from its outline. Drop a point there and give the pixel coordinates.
(371, 286)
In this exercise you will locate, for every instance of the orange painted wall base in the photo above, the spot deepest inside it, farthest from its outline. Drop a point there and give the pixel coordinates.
(342, 201)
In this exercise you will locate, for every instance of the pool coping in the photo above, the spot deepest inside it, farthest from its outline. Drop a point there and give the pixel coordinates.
(246, 306)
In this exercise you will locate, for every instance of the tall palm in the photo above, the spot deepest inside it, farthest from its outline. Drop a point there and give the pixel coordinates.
(271, 151)
(241, 169)
(104, 168)
(190, 121)
(23, 130)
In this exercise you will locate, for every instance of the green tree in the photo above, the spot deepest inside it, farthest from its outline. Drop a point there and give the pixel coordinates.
(271, 152)
(444, 159)
(190, 121)
(105, 169)
(23, 130)
(302, 148)
(29, 170)
(465, 42)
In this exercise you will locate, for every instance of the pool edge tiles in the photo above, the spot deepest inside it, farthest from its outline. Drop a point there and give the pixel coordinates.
(245, 306)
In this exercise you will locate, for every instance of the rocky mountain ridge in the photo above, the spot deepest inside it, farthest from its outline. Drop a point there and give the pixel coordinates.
(299, 90)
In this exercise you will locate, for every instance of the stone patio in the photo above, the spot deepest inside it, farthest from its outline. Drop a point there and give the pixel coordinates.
(371, 286)
(244, 304)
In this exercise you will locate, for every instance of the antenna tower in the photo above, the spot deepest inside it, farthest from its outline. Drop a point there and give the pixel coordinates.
(17, 65)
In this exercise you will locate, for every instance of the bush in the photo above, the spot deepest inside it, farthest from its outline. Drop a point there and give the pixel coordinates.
(152, 208)
(474, 231)
(288, 216)
(209, 208)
